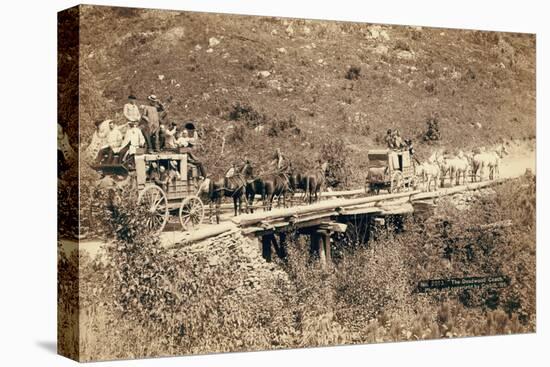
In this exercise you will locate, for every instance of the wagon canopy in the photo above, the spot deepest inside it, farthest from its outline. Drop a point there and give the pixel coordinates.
(378, 158)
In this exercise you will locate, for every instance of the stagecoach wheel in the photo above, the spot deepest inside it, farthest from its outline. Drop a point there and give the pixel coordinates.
(191, 212)
(396, 183)
(155, 200)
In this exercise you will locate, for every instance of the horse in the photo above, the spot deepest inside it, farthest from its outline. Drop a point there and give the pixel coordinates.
(429, 171)
(456, 167)
(298, 184)
(234, 187)
(254, 186)
(313, 183)
(277, 185)
(490, 160)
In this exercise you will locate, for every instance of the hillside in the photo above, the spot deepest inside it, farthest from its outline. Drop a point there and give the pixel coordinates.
(256, 83)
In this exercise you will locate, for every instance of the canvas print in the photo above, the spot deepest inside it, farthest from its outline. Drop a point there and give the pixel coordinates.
(241, 183)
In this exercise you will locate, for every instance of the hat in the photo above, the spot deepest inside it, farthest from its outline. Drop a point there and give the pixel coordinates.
(190, 125)
(174, 164)
(131, 96)
(152, 98)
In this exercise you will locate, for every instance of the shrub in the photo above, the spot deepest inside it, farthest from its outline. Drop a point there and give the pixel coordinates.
(335, 153)
(353, 72)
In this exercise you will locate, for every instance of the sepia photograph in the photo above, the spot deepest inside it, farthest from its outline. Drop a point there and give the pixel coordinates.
(236, 183)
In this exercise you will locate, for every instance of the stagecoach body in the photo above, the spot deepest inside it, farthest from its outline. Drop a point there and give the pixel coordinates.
(391, 170)
(178, 196)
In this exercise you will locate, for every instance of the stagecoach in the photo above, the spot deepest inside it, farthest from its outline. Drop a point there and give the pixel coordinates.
(177, 197)
(391, 170)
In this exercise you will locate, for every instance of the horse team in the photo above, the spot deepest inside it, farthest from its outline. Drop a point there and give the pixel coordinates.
(244, 187)
(457, 168)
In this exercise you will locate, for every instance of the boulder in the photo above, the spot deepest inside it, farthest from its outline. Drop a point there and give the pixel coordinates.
(213, 41)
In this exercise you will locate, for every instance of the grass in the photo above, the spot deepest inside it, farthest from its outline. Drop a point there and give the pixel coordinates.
(191, 306)
(330, 82)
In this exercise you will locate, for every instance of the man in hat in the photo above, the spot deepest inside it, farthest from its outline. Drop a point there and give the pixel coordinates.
(279, 161)
(159, 176)
(151, 115)
(169, 135)
(388, 139)
(173, 171)
(192, 135)
(131, 110)
(132, 140)
(397, 140)
(112, 146)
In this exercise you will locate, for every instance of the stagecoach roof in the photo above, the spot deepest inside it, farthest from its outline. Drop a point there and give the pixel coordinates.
(379, 151)
(165, 155)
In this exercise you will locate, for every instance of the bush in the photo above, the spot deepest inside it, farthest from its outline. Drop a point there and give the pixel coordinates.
(336, 155)
(353, 72)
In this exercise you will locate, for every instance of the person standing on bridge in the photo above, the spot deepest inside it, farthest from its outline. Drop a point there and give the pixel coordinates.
(280, 162)
(388, 139)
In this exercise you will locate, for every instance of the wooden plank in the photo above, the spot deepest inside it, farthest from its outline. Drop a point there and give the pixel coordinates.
(333, 204)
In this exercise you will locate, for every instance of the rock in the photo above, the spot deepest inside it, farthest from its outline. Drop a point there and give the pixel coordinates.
(198, 47)
(263, 74)
(213, 41)
(173, 35)
(282, 50)
(306, 30)
(274, 84)
(210, 50)
(274, 32)
(161, 77)
(405, 55)
(259, 128)
(478, 125)
(381, 50)
(384, 35)
(289, 30)
(374, 33)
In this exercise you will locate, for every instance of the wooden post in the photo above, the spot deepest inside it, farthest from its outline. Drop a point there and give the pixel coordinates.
(314, 244)
(266, 247)
(325, 247)
(325, 235)
(282, 246)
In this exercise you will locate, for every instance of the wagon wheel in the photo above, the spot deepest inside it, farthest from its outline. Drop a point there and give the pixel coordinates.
(155, 200)
(396, 183)
(191, 211)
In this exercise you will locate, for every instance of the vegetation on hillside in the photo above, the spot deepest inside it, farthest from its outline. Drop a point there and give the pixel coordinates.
(255, 83)
(140, 299)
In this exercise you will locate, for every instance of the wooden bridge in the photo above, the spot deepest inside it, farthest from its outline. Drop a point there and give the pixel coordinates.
(320, 220)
